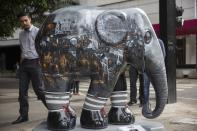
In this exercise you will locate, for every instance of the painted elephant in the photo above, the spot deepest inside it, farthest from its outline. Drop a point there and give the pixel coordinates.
(100, 44)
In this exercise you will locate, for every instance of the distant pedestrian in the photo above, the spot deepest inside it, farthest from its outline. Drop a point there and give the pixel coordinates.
(29, 69)
(134, 75)
(17, 69)
(75, 86)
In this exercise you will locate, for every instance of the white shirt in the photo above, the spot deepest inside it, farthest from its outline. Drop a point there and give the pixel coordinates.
(27, 43)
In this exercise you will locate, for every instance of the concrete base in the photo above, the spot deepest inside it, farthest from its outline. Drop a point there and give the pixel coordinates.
(186, 73)
(150, 125)
(138, 126)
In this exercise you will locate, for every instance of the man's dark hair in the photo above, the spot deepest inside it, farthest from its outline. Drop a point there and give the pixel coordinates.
(21, 14)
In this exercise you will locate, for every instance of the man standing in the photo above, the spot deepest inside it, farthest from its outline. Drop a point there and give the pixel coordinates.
(29, 67)
(134, 74)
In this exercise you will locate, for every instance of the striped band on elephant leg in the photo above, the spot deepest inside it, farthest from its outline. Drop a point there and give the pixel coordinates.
(94, 103)
(57, 100)
(119, 99)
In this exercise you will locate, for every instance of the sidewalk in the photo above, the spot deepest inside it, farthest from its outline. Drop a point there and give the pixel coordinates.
(180, 116)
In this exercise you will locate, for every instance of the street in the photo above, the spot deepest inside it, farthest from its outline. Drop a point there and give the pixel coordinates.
(172, 117)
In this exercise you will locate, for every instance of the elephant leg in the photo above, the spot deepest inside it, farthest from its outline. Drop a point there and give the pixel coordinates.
(93, 115)
(60, 115)
(119, 114)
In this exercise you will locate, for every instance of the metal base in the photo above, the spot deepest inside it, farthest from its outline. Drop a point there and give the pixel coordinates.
(139, 126)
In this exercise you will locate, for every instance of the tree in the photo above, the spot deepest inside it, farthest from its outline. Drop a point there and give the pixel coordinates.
(36, 8)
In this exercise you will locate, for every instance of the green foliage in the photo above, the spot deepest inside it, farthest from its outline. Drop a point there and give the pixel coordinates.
(36, 8)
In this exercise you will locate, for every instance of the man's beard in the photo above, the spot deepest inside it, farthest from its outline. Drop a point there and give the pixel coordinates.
(26, 29)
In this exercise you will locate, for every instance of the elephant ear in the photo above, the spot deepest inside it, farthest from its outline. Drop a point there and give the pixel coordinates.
(111, 27)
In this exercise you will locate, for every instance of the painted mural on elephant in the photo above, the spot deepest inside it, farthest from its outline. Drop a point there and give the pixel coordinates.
(80, 41)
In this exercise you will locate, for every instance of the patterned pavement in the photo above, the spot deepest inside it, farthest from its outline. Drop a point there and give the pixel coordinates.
(179, 116)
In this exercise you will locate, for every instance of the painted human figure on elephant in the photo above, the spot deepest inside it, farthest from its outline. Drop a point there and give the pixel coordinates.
(79, 41)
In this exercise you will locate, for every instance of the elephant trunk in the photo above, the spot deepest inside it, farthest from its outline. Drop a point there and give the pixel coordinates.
(155, 68)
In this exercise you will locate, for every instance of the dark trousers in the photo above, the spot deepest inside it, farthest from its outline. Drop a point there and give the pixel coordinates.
(146, 87)
(121, 84)
(75, 86)
(29, 71)
(133, 74)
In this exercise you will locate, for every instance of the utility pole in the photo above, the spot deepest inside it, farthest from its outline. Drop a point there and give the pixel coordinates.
(167, 18)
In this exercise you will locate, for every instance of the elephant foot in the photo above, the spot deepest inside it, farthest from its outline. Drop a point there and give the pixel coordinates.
(91, 119)
(120, 116)
(62, 120)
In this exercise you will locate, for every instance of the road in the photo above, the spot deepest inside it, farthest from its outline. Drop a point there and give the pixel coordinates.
(171, 118)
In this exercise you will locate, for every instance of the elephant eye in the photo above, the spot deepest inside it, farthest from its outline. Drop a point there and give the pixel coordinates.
(111, 27)
(147, 37)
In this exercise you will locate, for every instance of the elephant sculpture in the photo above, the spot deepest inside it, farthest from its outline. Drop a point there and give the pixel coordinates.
(98, 43)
